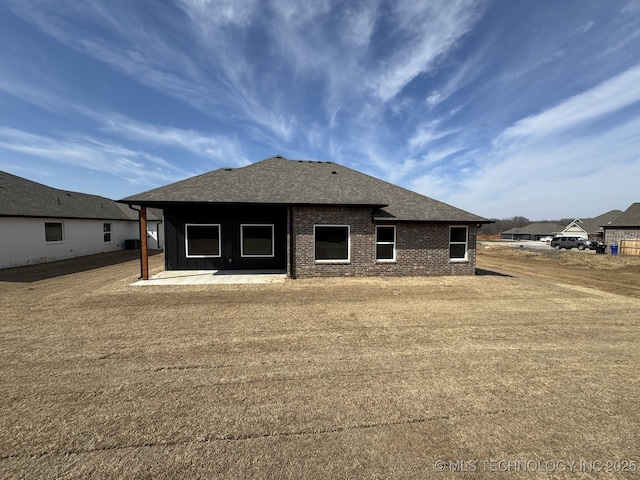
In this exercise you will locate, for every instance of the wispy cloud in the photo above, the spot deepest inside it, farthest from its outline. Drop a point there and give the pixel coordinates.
(42, 98)
(212, 13)
(148, 57)
(430, 30)
(132, 166)
(534, 65)
(427, 133)
(438, 154)
(360, 22)
(541, 161)
(610, 96)
(221, 77)
(454, 98)
(560, 175)
(217, 148)
(582, 29)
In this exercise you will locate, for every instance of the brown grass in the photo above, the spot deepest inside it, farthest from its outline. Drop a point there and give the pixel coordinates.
(339, 378)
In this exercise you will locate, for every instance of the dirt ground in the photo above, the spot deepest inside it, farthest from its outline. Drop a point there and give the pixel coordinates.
(528, 370)
(618, 274)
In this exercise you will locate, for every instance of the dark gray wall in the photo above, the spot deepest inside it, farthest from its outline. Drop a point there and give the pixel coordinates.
(230, 218)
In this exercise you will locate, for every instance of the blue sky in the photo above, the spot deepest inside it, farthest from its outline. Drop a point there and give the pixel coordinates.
(502, 108)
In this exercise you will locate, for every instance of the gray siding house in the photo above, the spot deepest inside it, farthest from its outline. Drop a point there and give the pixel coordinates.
(534, 231)
(310, 219)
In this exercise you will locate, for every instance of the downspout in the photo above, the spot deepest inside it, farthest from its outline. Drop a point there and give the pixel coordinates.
(291, 245)
(158, 230)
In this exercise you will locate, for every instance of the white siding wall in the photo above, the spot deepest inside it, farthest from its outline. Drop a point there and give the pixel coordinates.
(155, 240)
(574, 231)
(22, 240)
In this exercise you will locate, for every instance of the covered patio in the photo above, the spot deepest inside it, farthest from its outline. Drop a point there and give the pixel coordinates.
(213, 277)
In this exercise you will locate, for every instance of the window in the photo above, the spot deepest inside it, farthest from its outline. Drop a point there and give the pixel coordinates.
(331, 243)
(458, 243)
(53, 232)
(385, 243)
(202, 240)
(257, 240)
(106, 228)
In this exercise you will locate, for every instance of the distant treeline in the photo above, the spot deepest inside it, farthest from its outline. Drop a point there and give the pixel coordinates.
(504, 224)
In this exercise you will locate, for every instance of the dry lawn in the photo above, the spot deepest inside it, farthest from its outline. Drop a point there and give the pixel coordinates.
(340, 378)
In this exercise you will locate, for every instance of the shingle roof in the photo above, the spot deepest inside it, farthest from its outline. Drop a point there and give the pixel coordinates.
(630, 218)
(538, 228)
(593, 225)
(20, 197)
(279, 181)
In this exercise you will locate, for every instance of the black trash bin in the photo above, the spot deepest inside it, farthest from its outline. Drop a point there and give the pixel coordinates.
(601, 248)
(132, 244)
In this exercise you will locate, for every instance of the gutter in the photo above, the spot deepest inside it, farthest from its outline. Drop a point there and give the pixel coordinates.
(141, 259)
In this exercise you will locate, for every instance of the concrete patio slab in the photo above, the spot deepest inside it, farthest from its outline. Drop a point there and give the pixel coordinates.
(213, 277)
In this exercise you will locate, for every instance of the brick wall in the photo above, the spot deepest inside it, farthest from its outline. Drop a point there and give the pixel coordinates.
(421, 248)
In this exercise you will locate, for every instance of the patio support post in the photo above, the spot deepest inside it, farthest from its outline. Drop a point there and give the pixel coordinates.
(144, 250)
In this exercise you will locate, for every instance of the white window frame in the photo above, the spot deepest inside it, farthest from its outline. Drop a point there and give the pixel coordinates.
(242, 254)
(465, 243)
(53, 242)
(110, 232)
(336, 261)
(386, 260)
(186, 239)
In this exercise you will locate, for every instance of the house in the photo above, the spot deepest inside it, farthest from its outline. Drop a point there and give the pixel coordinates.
(625, 227)
(43, 224)
(590, 228)
(309, 219)
(534, 231)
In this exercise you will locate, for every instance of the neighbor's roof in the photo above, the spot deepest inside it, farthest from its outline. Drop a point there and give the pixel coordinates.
(279, 181)
(594, 225)
(20, 197)
(538, 228)
(630, 218)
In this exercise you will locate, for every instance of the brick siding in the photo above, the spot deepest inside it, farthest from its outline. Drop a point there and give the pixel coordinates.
(421, 248)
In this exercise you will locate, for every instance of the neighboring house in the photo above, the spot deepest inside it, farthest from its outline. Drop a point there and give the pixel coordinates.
(590, 228)
(574, 229)
(625, 226)
(43, 224)
(534, 231)
(310, 219)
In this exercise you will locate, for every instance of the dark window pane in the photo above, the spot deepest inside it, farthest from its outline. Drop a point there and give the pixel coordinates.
(384, 252)
(458, 234)
(257, 240)
(203, 240)
(53, 232)
(385, 234)
(332, 243)
(457, 251)
(106, 228)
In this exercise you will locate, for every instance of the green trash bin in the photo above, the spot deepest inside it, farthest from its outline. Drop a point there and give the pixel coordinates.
(614, 249)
